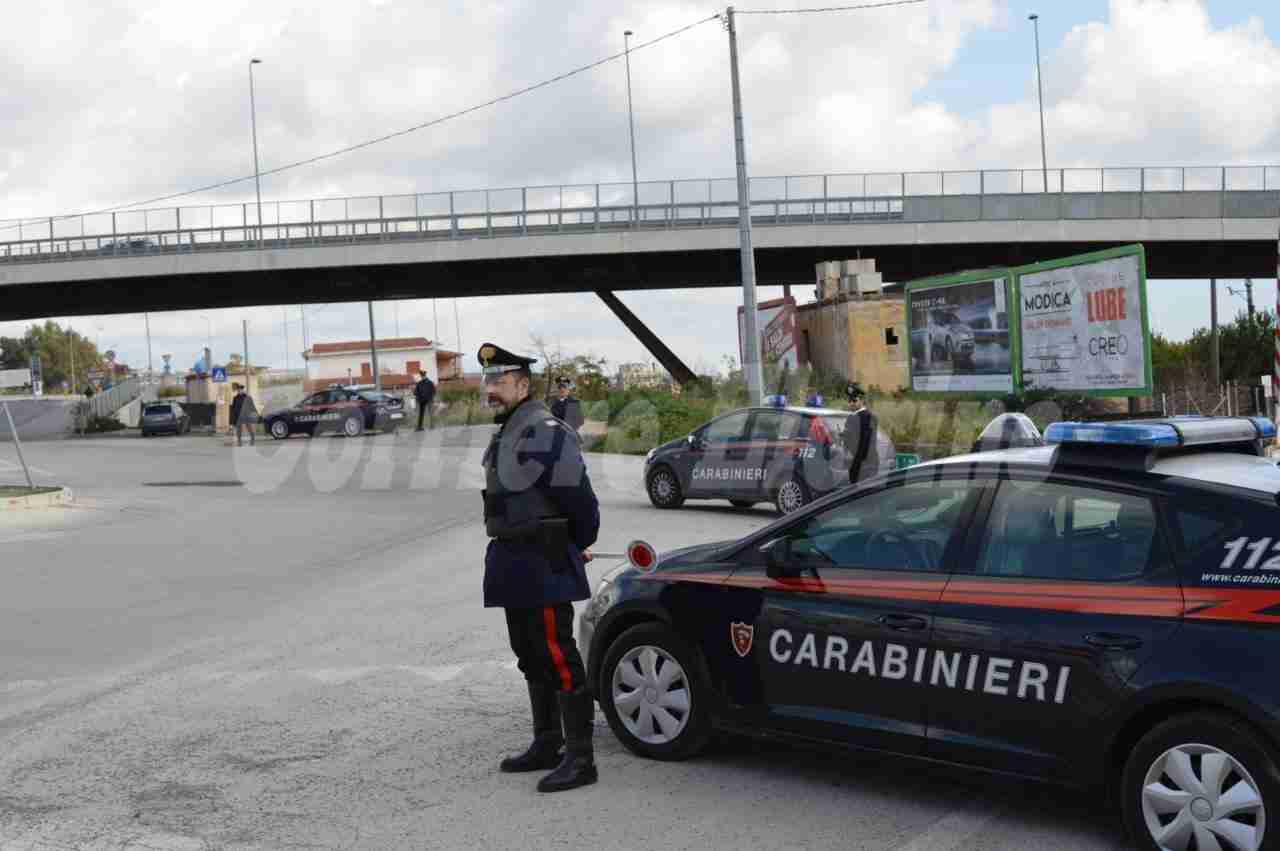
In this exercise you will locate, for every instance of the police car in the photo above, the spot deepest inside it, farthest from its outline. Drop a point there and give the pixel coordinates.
(1101, 611)
(787, 456)
(337, 409)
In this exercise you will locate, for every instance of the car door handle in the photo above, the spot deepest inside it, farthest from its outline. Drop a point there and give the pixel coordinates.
(1113, 640)
(902, 622)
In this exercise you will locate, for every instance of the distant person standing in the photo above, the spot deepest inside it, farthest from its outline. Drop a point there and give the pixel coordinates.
(244, 415)
(425, 394)
(567, 407)
(860, 430)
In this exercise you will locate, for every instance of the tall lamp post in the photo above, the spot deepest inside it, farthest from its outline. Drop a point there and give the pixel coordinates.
(253, 119)
(1044, 161)
(631, 119)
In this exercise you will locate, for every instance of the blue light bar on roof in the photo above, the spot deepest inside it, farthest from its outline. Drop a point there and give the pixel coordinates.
(1266, 428)
(1115, 434)
(778, 401)
(1167, 433)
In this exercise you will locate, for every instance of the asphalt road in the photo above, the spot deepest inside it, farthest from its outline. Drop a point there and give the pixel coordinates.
(285, 647)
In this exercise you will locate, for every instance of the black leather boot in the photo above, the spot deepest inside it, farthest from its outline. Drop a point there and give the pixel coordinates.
(578, 768)
(544, 753)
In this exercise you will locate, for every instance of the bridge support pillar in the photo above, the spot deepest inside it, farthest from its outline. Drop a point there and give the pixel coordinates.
(670, 362)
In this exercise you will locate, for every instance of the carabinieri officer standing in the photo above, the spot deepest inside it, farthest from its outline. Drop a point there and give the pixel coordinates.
(541, 514)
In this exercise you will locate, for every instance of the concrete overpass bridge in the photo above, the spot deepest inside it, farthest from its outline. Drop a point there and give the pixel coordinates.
(1195, 222)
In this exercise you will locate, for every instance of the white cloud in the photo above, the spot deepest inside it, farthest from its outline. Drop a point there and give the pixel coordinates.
(122, 99)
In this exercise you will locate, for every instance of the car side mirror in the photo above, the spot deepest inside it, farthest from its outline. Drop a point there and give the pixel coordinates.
(778, 559)
(694, 441)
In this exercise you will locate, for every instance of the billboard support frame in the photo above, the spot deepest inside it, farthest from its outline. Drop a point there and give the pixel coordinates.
(1012, 277)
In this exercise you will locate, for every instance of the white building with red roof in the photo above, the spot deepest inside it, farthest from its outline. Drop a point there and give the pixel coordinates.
(399, 361)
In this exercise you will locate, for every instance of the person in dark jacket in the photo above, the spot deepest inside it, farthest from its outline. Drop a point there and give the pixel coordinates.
(567, 407)
(860, 430)
(244, 415)
(425, 394)
(542, 516)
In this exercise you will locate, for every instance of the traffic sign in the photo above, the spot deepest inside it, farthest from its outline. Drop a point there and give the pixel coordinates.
(219, 375)
(903, 460)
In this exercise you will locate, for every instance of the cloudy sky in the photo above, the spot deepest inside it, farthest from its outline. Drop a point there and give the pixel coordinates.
(117, 101)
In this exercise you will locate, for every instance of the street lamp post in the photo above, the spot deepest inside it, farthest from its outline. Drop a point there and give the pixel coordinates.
(1044, 161)
(253, 119)
(750, 336)
(631, 120)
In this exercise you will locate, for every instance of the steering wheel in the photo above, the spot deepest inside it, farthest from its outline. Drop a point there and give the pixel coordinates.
(893, 538)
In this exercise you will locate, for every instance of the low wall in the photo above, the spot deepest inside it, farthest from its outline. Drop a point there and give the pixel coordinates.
(39, 419)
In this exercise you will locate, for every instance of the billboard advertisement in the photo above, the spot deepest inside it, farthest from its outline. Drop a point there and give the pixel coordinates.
(960, 334)
(776, 324)
(10, 378)
(1083, 324)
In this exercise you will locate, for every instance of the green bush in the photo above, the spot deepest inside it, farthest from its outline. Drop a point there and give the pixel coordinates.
(459, 395)
(171, 392)
(99, 425)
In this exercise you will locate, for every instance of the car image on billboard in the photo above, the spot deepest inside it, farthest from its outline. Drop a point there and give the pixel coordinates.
(960, 337)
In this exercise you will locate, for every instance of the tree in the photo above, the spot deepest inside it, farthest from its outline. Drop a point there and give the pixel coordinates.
(587, 371)
(1246, 347)
(54, 345)
(1169, 360)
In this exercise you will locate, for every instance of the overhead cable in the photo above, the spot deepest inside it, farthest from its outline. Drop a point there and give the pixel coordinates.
(826, 8)
(582, 69)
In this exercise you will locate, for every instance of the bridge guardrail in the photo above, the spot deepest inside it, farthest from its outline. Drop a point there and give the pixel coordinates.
(1003, 195)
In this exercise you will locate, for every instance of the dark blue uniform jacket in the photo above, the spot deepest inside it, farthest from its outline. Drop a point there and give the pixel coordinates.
(545, 452)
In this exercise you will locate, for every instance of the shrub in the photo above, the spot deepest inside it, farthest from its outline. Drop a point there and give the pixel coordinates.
(98, 425)
(171, 392)
(459, 395)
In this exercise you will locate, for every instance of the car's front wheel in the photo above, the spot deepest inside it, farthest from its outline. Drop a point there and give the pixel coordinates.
(1201, 780)
(664, 488)
(791, 495)
(353, 426)
(654, 695)
(279, 429)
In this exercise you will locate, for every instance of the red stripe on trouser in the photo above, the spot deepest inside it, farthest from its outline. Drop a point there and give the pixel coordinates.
(553, 644)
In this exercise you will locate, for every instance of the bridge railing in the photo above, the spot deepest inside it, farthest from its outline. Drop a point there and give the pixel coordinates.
(1097, 193)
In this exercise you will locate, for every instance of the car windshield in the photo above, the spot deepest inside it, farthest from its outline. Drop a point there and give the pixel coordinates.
(945, 317)
(158, 409)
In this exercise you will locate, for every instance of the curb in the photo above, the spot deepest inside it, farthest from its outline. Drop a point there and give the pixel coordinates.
(61, 496)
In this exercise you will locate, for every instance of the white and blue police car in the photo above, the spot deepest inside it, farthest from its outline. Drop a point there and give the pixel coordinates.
(1101, 611)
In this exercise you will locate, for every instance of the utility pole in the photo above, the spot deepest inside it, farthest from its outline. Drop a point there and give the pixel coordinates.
(146, 317)
(1044, 160)
(373, 347)
(1275, 369)
(1248, 294)
(285, 312)
(253, 117)
(457, 326)
(750, 337)
(631, 119)
(244, 325)
(71, 339)
(1215, 353)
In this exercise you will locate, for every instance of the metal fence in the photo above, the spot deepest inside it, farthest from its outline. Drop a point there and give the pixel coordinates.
(107, 402)
(999, 195)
